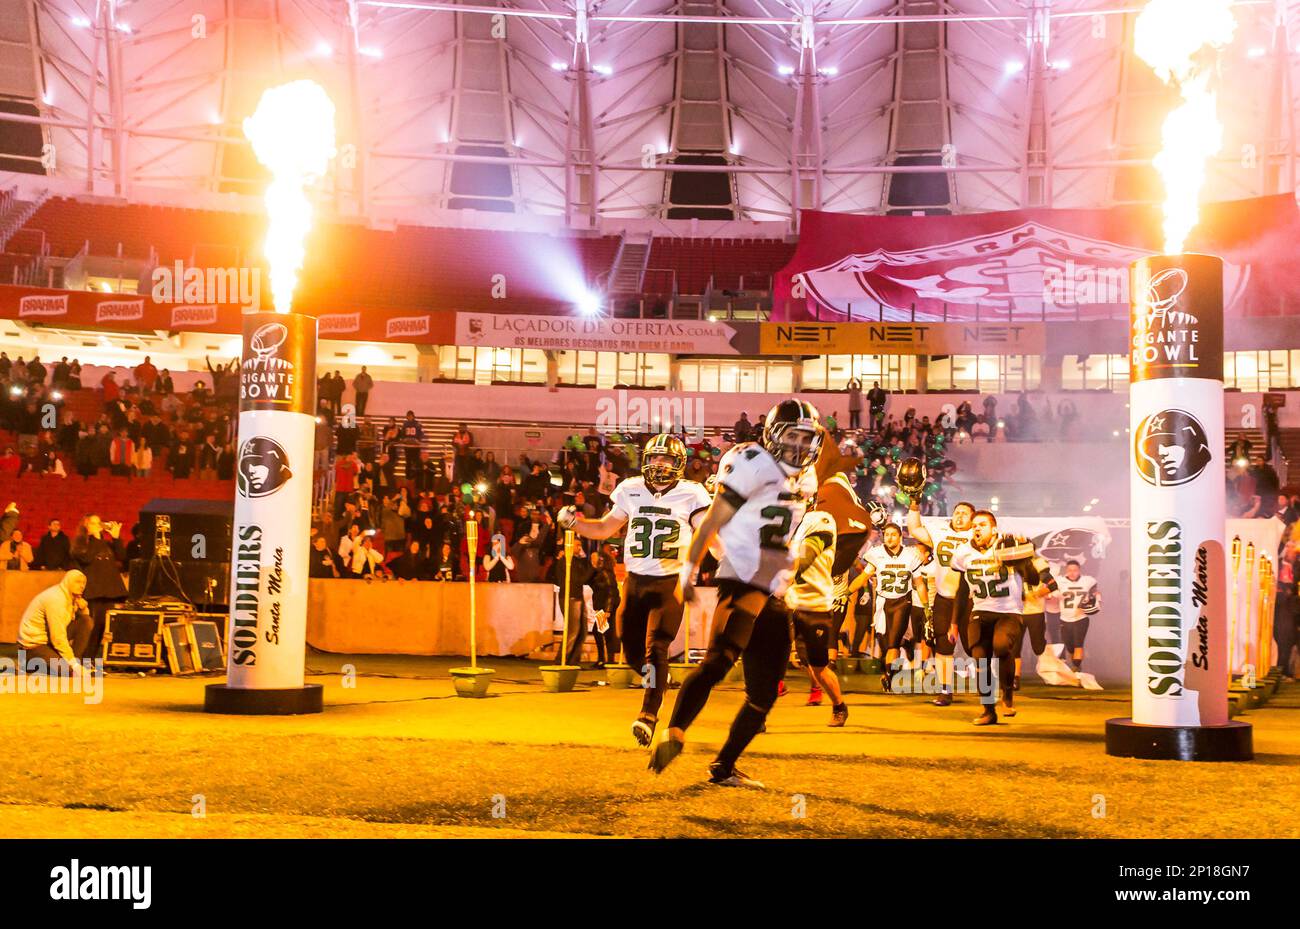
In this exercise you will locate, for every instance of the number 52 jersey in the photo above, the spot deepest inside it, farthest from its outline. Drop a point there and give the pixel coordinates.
(658, 532)
(769, 506)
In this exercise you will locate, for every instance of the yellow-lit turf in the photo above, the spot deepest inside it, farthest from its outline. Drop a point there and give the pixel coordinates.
(400, 755)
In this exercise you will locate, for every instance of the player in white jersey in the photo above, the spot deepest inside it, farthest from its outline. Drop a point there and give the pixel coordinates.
(1033, 622)
(922, 627)
(896, 568)
(1079, 600)
(950, 613)
(812, 597)
(996, 570)
(659, 511)
(762, 494)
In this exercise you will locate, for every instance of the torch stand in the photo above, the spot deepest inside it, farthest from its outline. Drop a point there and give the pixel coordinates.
(561, 677)
(472, 681)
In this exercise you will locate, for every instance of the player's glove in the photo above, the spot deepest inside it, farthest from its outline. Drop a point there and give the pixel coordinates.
(928, 632)
(1088, 604)
(567, 517)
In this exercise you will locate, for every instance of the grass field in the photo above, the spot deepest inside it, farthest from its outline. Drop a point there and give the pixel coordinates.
(399, 754)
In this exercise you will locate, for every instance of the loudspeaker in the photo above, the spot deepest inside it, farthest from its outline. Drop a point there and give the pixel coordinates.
(200, 529)
(133, 639)
(203, 583)
(194, 647)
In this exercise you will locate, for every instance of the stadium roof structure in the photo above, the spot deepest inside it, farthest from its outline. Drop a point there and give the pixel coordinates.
(597, 111)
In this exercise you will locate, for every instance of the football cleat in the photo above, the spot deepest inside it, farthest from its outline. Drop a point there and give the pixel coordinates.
(839, 717)
(1007, 707)
(988, 718)
(731, 777)
(643, 730)
(943, 699)
(664, 753)
(814, 697)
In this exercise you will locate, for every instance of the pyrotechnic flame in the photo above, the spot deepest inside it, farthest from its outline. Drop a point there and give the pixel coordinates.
(292, 131)
(1178, 39)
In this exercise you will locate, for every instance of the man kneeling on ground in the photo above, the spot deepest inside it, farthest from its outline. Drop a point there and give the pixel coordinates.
(43, 631)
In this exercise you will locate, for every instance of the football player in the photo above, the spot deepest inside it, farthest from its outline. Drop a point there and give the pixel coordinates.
(922, 606)
(659, 510)
(996, 569)
(811, 597)
(951, 611)
(897, 570)
(763, 489)
(853, 522)
(1034, 621)
(1080, 599)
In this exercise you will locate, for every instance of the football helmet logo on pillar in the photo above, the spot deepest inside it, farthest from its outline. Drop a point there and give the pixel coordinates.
(263, 467)
(1171, 448)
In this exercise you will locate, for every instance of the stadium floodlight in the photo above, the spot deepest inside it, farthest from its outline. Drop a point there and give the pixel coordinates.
(81, 22)
(605, 70)
(828, 71)
(371, 52)
(1014, 67)
(589, 304)
(559, 66)
(325, 50)
(785, 70)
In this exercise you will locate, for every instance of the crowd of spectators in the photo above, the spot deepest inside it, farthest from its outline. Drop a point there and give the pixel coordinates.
(142, 424)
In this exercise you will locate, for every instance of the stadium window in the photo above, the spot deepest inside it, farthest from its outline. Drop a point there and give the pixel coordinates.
(832, 372)
(1094, 372)
(609, 369)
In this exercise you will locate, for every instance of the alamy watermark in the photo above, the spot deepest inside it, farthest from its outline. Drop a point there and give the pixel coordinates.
(207, 286)
(38, 676)
(676, 414)
(1085, 284)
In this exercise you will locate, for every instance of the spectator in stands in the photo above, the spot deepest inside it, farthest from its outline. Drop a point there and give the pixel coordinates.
(393, 513)
(10, 462)
(740, 432)
(35, 371)
(366, 560)
(121, 454)
(322, 562)
(876, 399)
(411, 565)
(74, 375)
(354, 516)
(348, 539)
(200, 393)
(165, 386)
(411, 436)
(208, 454)
(97, 551)
(146, 375)
(54, 550)
(59, 374)
(143, 461)
(6, 365)
(108, 383)
(18, 373)
(226, 462)
(347, 468)
(497, 563)
(854, 389)
(16, 554)
(362, 384)
(336, 391)
(180, 460)
(448, 568)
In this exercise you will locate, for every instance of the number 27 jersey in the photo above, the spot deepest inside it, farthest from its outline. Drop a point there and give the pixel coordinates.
(769, 506)
(658, 531)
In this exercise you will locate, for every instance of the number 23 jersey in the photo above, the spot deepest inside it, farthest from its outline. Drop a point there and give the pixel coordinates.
(769, 506)
(658, 532)
(994, 587)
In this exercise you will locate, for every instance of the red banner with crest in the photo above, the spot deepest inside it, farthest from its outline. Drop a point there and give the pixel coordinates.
(1027, 264)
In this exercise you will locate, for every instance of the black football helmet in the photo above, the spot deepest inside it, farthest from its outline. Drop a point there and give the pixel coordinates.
(787, 416)
(911, 476)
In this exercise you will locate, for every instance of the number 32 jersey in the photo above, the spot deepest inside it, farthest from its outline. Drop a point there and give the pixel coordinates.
(769, 507)
(658, 532)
